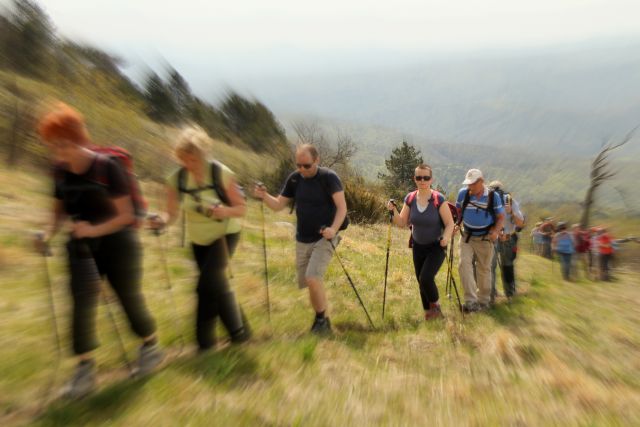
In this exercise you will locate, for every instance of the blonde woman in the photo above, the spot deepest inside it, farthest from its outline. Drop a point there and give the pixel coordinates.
(212, 202)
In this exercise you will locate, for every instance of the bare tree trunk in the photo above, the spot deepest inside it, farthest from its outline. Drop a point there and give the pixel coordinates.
(600, 172)
(586, 210)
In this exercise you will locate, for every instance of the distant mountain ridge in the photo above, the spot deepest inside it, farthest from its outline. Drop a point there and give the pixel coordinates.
(571, 100)
(534, 120)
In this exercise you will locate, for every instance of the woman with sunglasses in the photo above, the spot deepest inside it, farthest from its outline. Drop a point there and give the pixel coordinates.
(432, 225)
(211, 211)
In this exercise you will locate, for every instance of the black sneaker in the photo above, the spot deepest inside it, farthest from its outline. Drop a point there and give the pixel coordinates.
(243, 335)
(321, 326)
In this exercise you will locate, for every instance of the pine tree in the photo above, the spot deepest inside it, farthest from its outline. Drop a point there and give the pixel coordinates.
(253, 123)
(401, 166)
(28, 38)
(160, 104)
(180, 92)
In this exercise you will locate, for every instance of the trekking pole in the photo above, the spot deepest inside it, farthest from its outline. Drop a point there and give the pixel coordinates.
(447, 283)
(264, 252)
(386, 267)
(455, 288)
(88, 265)
(167, 277)
(453, 280)
(183, 228)
(496, 253)
(54, 321)
(450, 268)
(112, 317)
(351, 283)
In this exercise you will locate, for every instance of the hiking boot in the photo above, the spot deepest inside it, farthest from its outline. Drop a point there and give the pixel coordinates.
(484, 307)
(434, 311)
(471, 307)
(150, 357)
(83, 381)
(321, 326)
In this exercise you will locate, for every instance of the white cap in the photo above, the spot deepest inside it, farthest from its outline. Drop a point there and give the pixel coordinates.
(472, 176)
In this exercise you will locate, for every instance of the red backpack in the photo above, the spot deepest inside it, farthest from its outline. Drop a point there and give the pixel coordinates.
(582, 241)
(126, 161)
(435, 196)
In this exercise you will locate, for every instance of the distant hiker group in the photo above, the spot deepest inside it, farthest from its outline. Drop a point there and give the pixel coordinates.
(590, 250)
(95, 187)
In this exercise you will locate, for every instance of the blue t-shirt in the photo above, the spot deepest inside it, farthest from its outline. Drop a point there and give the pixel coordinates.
(314, 203)
(426, 226)
(476, 218)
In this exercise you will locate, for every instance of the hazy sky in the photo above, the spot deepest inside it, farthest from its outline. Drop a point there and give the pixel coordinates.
(237, 39)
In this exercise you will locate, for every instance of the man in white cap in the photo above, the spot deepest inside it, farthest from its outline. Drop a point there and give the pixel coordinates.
(482, 216)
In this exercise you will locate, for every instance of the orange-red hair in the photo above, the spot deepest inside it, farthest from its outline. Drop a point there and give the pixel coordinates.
(63, 122)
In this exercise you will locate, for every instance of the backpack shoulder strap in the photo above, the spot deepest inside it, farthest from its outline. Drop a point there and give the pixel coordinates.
(295, 178)
(217, 182)
(101, 165)
(490, 206)
(466, 200)
(411, 197)
(182, 182)
(435, 195)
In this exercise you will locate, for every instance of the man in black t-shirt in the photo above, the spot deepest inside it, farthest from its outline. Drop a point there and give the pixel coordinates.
(321, 210)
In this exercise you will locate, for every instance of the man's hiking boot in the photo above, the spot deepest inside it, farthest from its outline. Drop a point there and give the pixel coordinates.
(83, 381)
(473, 307)
(321, 326)
(434, 311)
(149, 358)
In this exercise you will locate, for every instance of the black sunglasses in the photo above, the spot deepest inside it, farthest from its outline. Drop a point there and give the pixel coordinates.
(422, 178)
(304, 165)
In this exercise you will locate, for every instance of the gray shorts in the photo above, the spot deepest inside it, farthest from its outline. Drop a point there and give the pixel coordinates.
(312, 259)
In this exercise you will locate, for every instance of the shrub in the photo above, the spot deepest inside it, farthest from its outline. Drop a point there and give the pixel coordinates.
(364, 204)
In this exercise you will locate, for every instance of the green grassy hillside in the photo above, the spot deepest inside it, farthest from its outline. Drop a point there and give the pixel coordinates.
(111, 120)
(561, 354)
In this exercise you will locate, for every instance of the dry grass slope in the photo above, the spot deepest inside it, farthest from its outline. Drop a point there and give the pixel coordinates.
(561, 354)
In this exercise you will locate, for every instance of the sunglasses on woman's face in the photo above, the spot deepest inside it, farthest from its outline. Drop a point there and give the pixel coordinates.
(304, 165)
(422, 178)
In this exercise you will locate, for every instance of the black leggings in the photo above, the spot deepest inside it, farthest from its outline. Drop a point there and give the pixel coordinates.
(215, 297)
(118, 257)
(427, 260)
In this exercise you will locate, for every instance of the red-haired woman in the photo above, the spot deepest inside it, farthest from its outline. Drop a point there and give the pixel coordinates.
(94, 192)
